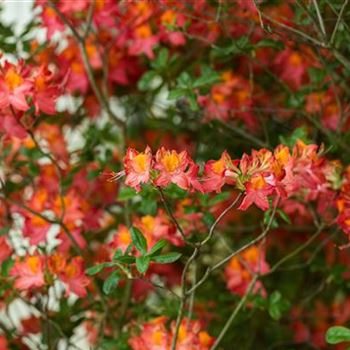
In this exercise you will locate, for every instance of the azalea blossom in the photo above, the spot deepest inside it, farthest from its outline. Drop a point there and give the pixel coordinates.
(240, 270)
(172, 168)
(15, 86)
(155, 336)
(28, 273)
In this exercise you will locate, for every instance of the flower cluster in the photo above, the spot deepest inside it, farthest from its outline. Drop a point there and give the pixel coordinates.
(23, 87)
(262, 175)
(240, 271)
(36, 271)
(154, 335)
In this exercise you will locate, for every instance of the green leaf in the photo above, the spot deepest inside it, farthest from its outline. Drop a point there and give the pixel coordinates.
(111, 282)
(337, 334)
(298, 134)
(166, 258)
(277, 305)
(158, 246)
(93, 270)
(139, 240)
(145, 81)
(142, 263)
(278, 45)
(118, 253)
(6, 266)
(219, 198)
(284, 216)
(317, 75)
(192, 99)
(148, 206)
(126, 193)
(162, 59)
(176, 94)
(208, 77)
(184, 80)
(126, 259)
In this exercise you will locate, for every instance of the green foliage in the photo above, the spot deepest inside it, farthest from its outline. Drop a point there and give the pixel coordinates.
(338, 334)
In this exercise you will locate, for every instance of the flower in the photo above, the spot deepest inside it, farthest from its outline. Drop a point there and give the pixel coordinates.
(172, 167)
(73, 276)
(29, 273)
(215, 173)
(257, 190)
(14, 86)
(155, 336)
(137, 167)
(240, 270)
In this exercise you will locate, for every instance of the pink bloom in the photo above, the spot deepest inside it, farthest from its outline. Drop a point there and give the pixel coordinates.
(12, 126)
(257, 190)
(45, 92)
(155, 336)
(14, 87)
(29, 273)
(240, 270)
(143, 42)
(172, 167)
(121, 239)
(35, 228)
(137, 167)
(74, 277)
(215, 173)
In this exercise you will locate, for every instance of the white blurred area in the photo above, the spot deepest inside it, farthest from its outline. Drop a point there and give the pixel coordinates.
(18, 14)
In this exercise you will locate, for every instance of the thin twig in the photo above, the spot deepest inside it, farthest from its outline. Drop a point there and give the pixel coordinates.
(234, 313)
(236, 252)
(320, 19)
(340, 16)
(172, 217)
(213, 226)
(296, 251)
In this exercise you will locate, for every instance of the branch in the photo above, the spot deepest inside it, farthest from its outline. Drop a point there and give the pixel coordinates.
(340, 16)
(103, 100)
(296, 251)
(173, 218)
(234, 313)
(236, 252)
(319, 17)
(212, 228)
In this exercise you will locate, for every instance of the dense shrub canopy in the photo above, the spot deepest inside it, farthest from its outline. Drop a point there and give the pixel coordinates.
(175, 175)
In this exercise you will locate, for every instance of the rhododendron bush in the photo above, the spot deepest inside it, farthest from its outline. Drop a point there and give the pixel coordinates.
(175, 175)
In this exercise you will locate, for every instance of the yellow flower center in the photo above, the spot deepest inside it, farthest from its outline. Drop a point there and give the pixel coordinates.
(182, 333)
(12, 79)
(258, 182)
(168, 17)
(125, 237)
(71, 270)
(295, 59)
(157, 338)
(204, 338)
(218, 166)
(148, 222)
(143, 32)
(34, 263)
(40, 83)
(171, 162)
(140, 162)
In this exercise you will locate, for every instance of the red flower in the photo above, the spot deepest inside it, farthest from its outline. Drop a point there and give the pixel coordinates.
(74, 277)
(172, 167)
(29, 273)
(137, 167)
(14, 87)
(257, 190)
